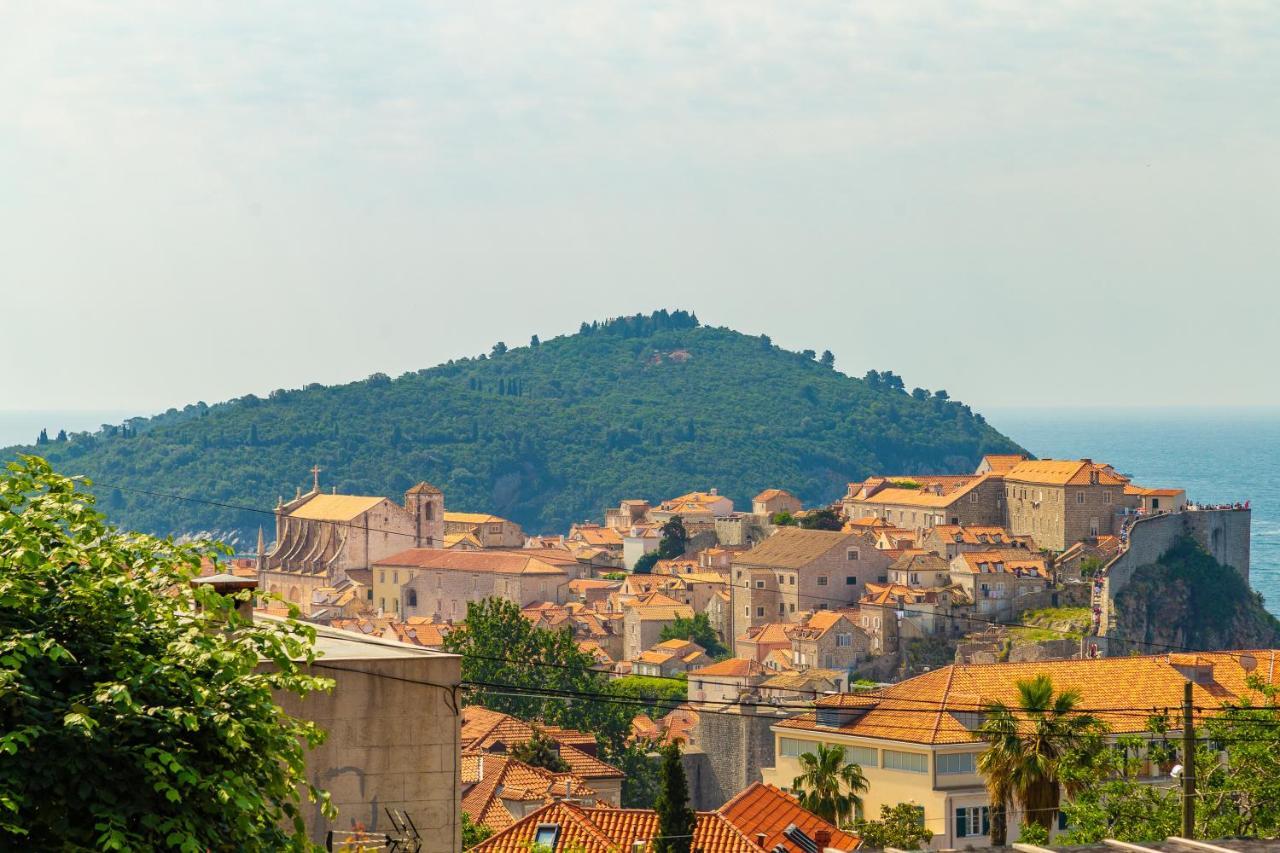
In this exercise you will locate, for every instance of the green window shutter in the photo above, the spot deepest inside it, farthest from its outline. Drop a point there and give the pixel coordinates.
(962, 823)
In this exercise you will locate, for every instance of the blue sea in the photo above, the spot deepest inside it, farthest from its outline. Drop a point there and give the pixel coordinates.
(1217, 455)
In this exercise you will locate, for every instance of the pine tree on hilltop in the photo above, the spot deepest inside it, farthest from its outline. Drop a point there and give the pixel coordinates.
(676, 821)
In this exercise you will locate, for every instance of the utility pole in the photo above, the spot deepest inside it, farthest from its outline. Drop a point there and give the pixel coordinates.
(1188, 765)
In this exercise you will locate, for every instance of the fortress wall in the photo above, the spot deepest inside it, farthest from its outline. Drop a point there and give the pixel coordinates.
(1224, 533)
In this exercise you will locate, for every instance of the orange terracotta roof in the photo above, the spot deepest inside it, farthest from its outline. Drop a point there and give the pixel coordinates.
(1123, 684)
(1002, 462)
(792, 548)
(991, 562)
(492, 560)
(1063, 472)
(764, 808)
(770, 494)
(483, 729)
(926, 497)
(732, 668)
(488, 780)
(596, 830)
(769, 632)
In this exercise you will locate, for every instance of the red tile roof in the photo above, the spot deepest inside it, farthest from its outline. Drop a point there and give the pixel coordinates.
(764, 808)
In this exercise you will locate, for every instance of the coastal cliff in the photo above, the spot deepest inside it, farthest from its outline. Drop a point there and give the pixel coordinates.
(1187, 599)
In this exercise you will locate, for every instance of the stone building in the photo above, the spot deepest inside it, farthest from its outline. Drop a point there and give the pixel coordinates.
(995, 580)
(1060, 501)
(438, 583)
(643, 624)
(918, 502)
(797, 570)
(772, 501)
(321, 537)
(491, 531)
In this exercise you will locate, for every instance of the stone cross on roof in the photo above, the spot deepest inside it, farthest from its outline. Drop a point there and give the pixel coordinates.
(315, 478)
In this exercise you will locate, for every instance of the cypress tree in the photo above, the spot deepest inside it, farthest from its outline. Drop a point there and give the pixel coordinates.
(676, 821)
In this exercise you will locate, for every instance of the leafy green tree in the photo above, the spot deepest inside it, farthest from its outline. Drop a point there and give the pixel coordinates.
(534, 342)
(540, 751)
(809, 354)
(1033, 833)
(901, 826)
(473, 833)
(499, 349)
(821, 519)
(783, 519)
(644, 565)
(674, 539)
(1027, 743)
(662, 694)
(43, 438)
(828, 358)
(676, 821)
(829, 786)
(134, 710)
(697, 628)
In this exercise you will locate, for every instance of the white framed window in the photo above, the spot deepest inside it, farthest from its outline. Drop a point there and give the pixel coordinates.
(759, 584)
(957, 762)
(863, 756)
(1079, 497)
(1106, 497)
(791, 747)
(909, 762)
(844, 640)
(972, 821)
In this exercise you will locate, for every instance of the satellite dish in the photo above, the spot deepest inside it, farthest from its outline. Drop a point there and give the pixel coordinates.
(1176, 772)
(1248, 663)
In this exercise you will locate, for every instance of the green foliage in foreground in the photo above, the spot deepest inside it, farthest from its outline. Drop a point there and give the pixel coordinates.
(901, 826)
(131, 719)
(473, 833)
(676, 820)
(1237, 770)
(643, 407)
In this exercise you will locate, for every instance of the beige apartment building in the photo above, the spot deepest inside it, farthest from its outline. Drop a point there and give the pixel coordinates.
(920, 502)
(916, 740)
(438, 584)
(797, 570)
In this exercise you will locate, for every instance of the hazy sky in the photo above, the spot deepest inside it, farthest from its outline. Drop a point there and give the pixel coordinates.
(1023, 203)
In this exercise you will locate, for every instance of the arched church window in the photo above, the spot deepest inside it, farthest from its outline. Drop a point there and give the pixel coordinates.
(411, 598)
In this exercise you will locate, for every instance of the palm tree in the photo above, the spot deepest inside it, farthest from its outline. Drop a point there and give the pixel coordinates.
(1026, 746)
(828, 786)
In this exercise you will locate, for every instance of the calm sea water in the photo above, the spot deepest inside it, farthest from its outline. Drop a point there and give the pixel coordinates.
(1217, 455)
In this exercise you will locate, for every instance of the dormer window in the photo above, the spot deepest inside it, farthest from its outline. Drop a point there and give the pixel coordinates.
(546, 836)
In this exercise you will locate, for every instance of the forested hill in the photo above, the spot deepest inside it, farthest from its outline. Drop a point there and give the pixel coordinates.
(545, 434)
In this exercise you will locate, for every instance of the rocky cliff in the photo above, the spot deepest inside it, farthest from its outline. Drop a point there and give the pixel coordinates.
(1186, 599)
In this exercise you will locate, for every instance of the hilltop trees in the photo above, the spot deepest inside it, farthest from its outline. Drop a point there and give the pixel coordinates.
(131, 718)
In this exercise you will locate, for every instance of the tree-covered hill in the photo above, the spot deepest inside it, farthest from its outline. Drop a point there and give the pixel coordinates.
(545, 434)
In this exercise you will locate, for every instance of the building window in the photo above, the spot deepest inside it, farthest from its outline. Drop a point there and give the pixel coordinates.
(791, 747)
(973, 497)
(863, 756)
(793, 607)
(852, 554)
(911, 762)
(395, 577)
(546, 836)
(759, 584)
(382, 604)
(746, 611)
(411, 598)
(822, 580)
(956, 762)
(1079, 497)
(369, 594)
(382, 577)
(1106, 497)
(972, 821)
(431, 511)
(1093, 527)
(395, 605)
(851, 580)
(782, 608)
(759, 611)
(844, 640)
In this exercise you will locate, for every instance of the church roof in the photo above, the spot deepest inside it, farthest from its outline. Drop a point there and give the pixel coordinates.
(424, 488)
(336, 507)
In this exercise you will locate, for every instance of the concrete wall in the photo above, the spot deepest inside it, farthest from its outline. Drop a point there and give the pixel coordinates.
(1223, 533)
(391, 743)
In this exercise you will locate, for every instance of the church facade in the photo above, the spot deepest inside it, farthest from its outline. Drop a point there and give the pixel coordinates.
(321, 537)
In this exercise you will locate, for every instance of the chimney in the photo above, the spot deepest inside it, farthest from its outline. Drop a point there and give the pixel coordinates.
(715, 492)
(760, 836)
(480, 769)
(823, 838)
(227, 584)
(638, 846)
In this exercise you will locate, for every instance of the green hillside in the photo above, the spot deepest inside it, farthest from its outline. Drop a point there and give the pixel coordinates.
(545, 434)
